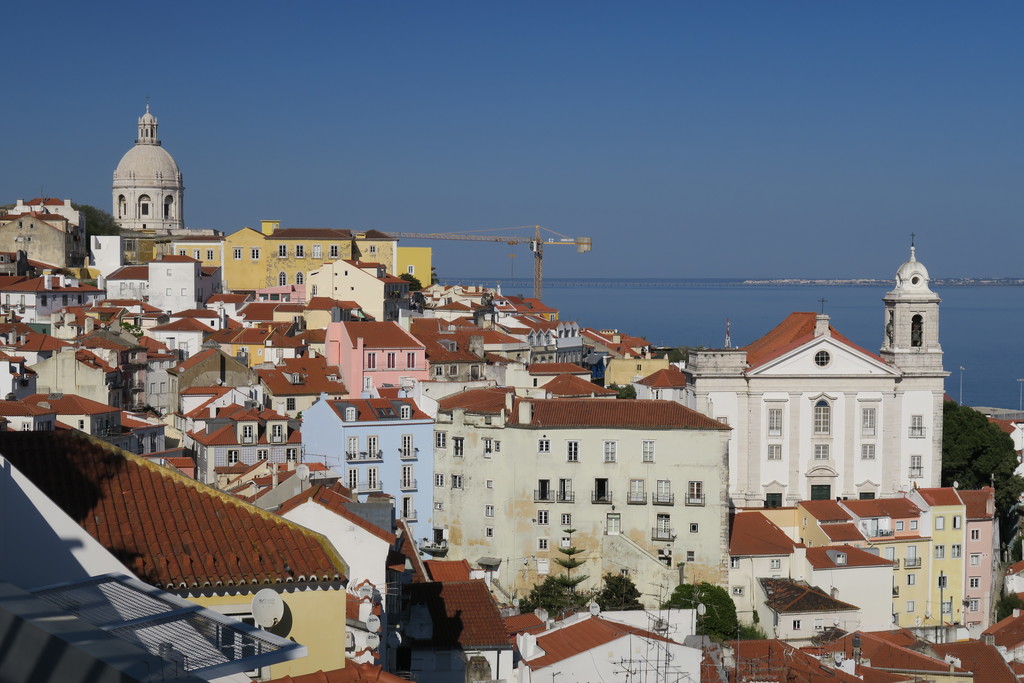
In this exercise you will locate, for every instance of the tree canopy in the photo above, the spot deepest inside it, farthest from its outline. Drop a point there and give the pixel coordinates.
(97, 221)
(977, 453)
(414, 282)
(623, 390)
(719, 621)
(618, 593)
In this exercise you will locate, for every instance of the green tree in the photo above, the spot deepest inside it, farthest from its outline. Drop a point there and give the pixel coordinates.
(719, 621)
(549, 594)
(97, 221)
(618, 593)
(569, 562)
(623, 390)
(977, 453)
(414, 282)
(1006, 605)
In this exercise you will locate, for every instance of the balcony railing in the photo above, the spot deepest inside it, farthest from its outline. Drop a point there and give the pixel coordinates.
(408, 484)
(544, 496)
(367, 486)
(663, 499)
(883, 532)
(566, 497)
(895, 591)
(371, 455)
(408, 453)
(636, 498)
(351, 455)
(601, 497)
(695, 499)
(662, 534)
(436, 548)
(916, 472)
(410, 516)
(917, 432)
(912, 563)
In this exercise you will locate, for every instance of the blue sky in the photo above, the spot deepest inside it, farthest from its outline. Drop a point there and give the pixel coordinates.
(687, 139)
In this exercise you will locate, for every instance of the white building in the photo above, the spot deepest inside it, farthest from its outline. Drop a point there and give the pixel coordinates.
(148, 190)
(641, 482)
(815, 416)
(179, 283)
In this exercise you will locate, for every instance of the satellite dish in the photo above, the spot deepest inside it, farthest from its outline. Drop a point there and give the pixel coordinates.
(702, 609)
(366, 591)
(372, 641)
(515, 602)
(956, 484)
(302, 472)
(267, 608)
(373, 623)
(595, 608)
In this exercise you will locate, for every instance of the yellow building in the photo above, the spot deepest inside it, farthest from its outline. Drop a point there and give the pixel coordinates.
(416, 261)
(374, 246)
(947, 516)
(622, 371)
(207, 249)
(272, 257)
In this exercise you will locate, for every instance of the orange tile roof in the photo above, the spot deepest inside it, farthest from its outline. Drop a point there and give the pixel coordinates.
(574, 386)
(381, 335)
(779, 662)
(887, 655)
(448, 570)
(842, 532)
(787, 596)
(940, 496)
(376, 409)
(823, 557)
(524, 623)
(354, 672)
(556, 369)
(70, 404)
(22, 409)
(625, 413)
(336, 499)
(587, 633)
(123, 500)
(130, 273)
(825, 510)
(316, 378)
(754, 534)
(489, 400)
(897, 508)
(984, 661)
(464, 614)
(666, 378)
(183, 325)
(1008, 632)
(311, 233)
(980, 504)
(797, 329)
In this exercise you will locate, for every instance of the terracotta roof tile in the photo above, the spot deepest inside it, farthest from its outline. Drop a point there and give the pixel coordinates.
(887, 655)
(524, 623)
(463, 614)
(1008, 633)
(754, 534)
(585, 634)
(896, 508)
(123, 500)
(787, 595)
(797, 329)
(846, 531)
(573, 386)
(666, 378)
(826, 510)
(448, 570)
(490, 400)
(556, 369)
(984, 661)
(626, 413)
(940, 496)
(980, 504)
(381, 335)
(826, 558)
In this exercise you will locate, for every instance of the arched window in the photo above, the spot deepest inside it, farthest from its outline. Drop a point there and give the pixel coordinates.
(282, 278)
(168, 202)
(122, 206)
(916, 330)
(822, 417)
(144, 202)
(300, 279)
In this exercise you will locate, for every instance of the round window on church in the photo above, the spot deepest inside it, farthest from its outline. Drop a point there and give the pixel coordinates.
(915, 280)
(822, 358)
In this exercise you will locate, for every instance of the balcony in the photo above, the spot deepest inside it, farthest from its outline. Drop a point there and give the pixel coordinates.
(601, 497)
(912, 563)
(895, 591)
(410, 516)
(695, 499)
(663, 534)
(883, 533)
(366, 486)
(663, 499)
(408, 453)
(636, 498)
(566, 497)
(408, 484)
(543, 496)
(351, 455)
(916, 472)
(371, 455)
(917, 432)
(435, 548)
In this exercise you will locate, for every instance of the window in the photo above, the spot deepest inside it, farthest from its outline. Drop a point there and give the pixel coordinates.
(975, 582)
(439, 480)
(392, 360)
(542, 544)
(775, 451)
(543, 446)
(572, 451)
(440, 439)
(821, 451)
(372, 449)
(371, 361)
(737, 590)
(975, 534)
(456, 481)
(975, 559)
(613, 523)
(867, 421)
(916, 468)
(947, 606)
(488, 510)
(890, 553)
(943, 581)
(899, 525)
(694, 527)
(247, 432)
(566, 519)
(282, 251)
(822, 417)
(300, 278)
(956, 521)
(776, 563)
(289, 403)
(796, 622)
(232, 457)
(353, 478)
(734, 563)
(913, 525)
(695, 493)
(542, 517)
(867, 451)
(300, 251)
(489, 531)
(334, 251)
(488, 447)
(690, 556)
(775, 422)
(458, 446)
(911, 578)
(373, 249)
(822, 358)
(773, 500)
(917, 426)
(648, 451)
(317, 251)
(610, 448)
(972, 605)
(955, 550)
(940, 522)
(910, 606)
(291, 454)
(940, 552)
(254, 253)
(209, 254)
(262, 454)
(489, 483)
(410, 359)
(405, 413)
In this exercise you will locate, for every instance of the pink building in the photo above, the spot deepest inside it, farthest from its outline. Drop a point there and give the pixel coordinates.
(981, 556)
(372, 354)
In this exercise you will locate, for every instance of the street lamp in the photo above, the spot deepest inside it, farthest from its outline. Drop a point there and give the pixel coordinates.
(962, 368)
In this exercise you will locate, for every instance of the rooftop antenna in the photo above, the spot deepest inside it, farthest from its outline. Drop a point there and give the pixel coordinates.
(728, 333)
(823, 301)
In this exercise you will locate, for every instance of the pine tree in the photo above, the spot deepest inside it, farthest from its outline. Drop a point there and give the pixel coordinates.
(570, 562)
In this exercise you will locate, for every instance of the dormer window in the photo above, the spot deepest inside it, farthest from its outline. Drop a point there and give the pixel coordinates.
(350, 414)
(405, 412)
(277, 432)
(840, 558)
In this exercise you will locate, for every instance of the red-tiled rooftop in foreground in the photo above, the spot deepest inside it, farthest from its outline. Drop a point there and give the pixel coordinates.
(585, 634)
(666, 378)
(754, 534)
(984, 661)
(170, 530)
(839, 533)
(896, 508)
(463, 613)
(826, 510)
(448, 570)
(1008, 632)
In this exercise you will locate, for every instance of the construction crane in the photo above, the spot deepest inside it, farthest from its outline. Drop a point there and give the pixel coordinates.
(536, 241)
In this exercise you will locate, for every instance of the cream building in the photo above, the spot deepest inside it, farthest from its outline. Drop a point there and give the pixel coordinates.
(642, 483)
(816, 416)
(148, 190)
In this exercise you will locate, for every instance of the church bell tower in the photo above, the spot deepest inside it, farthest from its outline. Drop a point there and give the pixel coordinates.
(911, 339)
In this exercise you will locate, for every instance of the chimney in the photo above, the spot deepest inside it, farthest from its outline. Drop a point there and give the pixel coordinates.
(988, 639)
(821, 325)
(269, 227)
(509, 399)
(525, 412)
(476, 345)
(273, 475)
(90, 324)
(1016, 613)
(47, 282)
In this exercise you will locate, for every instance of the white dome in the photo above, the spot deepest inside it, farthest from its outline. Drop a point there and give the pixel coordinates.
(912, 276)
(146, 162)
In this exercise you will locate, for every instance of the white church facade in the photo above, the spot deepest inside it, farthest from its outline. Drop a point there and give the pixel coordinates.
(814, 416)
(148, 189)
